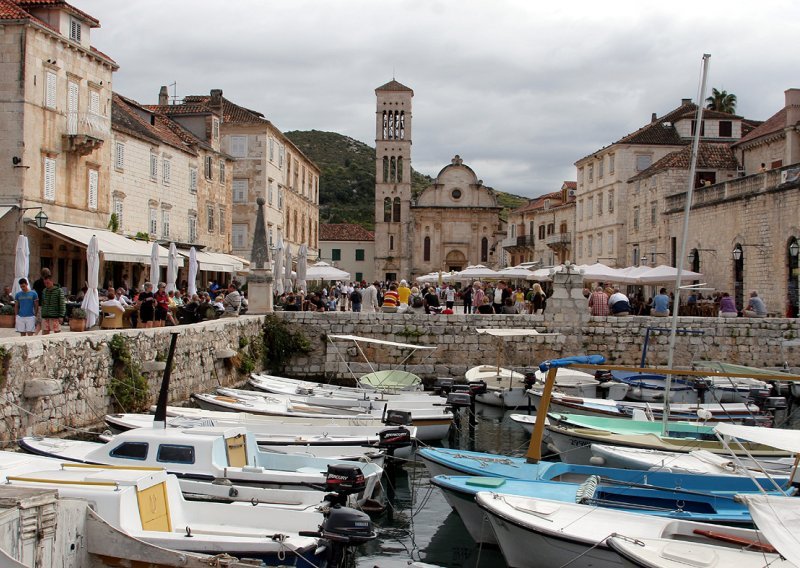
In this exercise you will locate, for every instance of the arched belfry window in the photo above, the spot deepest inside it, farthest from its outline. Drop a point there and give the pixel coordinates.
(484, 249)
(387, 210)
(396, 210)
(426, 249)
(391, 126)
(400, 170)
(392, 169)
(385, 169)
(402, 125)
(385, 132)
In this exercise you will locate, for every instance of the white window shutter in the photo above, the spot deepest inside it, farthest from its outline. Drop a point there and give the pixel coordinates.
(93, 182)
(119, 156)
(50, 179)
(50, 89)
(193, 180)
(94, 102)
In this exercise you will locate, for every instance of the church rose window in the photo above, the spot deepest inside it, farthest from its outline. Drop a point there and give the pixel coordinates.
(456, 193)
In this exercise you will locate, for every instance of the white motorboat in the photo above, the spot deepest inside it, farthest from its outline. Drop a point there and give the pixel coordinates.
(558, 534)
(147, 504)
(223, 464)
(334, 440)
(573, 382)
(431, 424)
(492, 374)
(696, 462)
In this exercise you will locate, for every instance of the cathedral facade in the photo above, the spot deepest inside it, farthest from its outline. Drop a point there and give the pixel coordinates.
(453, 223)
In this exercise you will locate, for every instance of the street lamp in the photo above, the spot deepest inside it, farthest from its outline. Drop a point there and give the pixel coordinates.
(737, 253)
(40, 218)
(794, 248)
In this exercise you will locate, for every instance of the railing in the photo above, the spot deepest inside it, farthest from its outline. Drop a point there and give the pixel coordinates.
(525, 241)
(88, 124)
(559, 239)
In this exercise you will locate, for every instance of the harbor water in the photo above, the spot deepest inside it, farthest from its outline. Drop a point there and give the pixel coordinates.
(421, 526)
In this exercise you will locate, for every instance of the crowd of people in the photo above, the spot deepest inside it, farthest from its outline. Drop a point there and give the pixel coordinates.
(399, 297)
(43, 306)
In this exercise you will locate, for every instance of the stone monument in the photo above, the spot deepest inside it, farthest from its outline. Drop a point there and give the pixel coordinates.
(567, 302)
(259, 280)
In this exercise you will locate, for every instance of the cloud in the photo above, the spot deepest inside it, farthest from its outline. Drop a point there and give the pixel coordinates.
(519, 89)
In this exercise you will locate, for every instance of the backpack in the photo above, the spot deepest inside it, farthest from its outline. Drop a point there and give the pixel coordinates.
(355, 297)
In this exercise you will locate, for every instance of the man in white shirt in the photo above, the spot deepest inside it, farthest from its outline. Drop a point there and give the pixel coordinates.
(450, 296)
(111, 301)
(369, 298)
(619, 304)
(122, 298)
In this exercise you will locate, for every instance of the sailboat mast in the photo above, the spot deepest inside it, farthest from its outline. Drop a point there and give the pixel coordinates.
(682, 255)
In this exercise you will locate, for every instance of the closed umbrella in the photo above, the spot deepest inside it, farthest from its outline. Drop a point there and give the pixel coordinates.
(21, 263)
(192, 272)
(277, 268)
(287, 278)
(302, 268)
(91, 300)
(172, 267)
(154, 270)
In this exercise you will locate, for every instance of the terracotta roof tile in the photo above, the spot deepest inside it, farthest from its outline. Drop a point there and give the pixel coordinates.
(571, 184)
(538, 202)
(9, 10)
(161, 130)
(394, 86)
(772, 125)
(711, 155)
(344, 232)
(59, 4)
(180, 109)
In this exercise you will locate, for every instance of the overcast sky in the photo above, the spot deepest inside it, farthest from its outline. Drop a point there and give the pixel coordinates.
(520, 90)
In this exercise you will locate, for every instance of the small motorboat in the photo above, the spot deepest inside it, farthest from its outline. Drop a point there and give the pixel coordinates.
(646, 386)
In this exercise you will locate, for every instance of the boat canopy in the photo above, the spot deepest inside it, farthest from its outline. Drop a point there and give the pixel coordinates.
(782, 439)
(360, 339)
(779, 519)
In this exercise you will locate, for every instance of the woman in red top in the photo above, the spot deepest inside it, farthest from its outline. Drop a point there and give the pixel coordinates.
(162, 305)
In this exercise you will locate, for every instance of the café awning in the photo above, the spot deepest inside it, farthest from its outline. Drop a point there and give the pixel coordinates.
(113, 247)
(217, 261)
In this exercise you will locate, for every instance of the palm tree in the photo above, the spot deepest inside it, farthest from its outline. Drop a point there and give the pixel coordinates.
(721, 101)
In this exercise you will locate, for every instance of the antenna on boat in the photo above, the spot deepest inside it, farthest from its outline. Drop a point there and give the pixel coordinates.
(687, 208)
(160, 419)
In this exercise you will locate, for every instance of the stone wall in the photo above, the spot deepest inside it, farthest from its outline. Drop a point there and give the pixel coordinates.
(57, 384)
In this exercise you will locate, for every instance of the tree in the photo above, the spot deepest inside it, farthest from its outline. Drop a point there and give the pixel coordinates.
(721, 101)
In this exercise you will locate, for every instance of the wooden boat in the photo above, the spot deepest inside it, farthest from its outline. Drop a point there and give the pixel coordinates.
(219, 463)
(147, 504)
(647, 386)
(557, 533)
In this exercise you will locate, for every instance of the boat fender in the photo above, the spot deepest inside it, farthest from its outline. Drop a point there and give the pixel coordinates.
(597, 460)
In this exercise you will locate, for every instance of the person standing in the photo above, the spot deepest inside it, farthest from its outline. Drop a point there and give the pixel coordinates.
(466, 297)
(449, 297)
(355, 299)
(538, 298)
(369, 299)
(147, 306)
(233, 301)
(54, 306)
(26, 303)
(661, 304)
(477, 296)
(598, 302)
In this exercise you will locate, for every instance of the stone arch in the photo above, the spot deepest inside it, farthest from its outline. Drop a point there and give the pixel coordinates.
(455, 260)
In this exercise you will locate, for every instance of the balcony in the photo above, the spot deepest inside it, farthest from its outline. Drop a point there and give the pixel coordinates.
(559, 241)
(519, 244)
(86, 132)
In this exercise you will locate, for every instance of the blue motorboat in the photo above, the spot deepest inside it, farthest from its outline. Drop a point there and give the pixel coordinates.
(679, 503)
(651, 387)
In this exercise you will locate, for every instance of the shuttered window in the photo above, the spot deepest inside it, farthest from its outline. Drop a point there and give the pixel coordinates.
(193, 180)
(240, 191)
(50, 179)
(93, 182)
(94, 102)
(119, 156)
(50, 89)
(166, 168)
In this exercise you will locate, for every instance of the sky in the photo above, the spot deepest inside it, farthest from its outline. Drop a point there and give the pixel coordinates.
(520, 89)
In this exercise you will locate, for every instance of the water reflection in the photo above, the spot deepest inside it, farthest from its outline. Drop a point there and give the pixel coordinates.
(421, 525)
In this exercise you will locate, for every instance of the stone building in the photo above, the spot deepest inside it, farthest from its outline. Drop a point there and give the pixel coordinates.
(55, 118)
(541, 230)
(453, 223)
(350, 248)
(602, 189)
(269, 165)
(744, 232)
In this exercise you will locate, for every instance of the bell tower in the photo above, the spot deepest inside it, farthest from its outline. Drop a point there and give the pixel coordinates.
(393, 181)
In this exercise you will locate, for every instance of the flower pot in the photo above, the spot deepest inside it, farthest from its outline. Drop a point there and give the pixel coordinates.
(77, 324)
(7, 320)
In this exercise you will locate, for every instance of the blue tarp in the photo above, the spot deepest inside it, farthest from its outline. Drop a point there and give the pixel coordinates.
(567, 361)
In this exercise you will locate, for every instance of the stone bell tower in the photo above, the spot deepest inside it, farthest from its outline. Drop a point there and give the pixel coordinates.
(393, 181)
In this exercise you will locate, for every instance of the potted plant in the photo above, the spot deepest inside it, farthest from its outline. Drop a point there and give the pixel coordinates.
(77, 319)
(7, 317)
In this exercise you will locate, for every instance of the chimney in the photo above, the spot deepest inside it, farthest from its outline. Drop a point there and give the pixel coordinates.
(686, 102)
(792, 106)
(163, 96)
(216, 99)
(653, 117)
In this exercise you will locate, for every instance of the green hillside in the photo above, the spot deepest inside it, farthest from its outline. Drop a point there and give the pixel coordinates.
(347, 180)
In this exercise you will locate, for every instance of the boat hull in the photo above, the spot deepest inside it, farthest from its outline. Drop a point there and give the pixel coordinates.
(473, 517)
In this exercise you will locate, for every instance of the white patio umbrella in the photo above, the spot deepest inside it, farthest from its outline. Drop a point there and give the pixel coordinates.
(302, 268)
(21, 263)
(287, 277)
(428, 278)
(324, 271)
(476, 272)
(602, 273)
(91, 300)
(544, 274)
(193, 267)
(154, 270)
(515, 272)
(172, 267)
(666, 274)
(277, 267)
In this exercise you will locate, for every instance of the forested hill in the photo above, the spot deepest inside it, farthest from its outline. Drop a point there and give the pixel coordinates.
(347, 179)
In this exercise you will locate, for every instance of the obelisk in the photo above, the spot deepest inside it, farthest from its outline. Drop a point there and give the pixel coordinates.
(259, 279)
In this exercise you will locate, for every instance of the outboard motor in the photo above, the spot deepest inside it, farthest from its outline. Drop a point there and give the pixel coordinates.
(397, 417)
(530, 380)
(477, 387)
(344, 528)
(456, 400)
(443, 385)
(393, 438)
(344, 479)
(701, 386)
